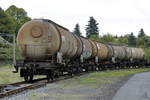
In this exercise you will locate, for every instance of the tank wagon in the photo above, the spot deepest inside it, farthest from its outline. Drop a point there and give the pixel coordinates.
(51, 49)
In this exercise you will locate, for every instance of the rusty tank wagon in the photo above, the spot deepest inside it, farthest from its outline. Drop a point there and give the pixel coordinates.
(51, 49)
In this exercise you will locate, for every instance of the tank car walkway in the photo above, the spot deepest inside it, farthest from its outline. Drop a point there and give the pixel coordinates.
(137, 88)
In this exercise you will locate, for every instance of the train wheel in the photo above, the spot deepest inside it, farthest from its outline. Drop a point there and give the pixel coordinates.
(28, 78)
(56, 75)
(50, 76)
(31, 78)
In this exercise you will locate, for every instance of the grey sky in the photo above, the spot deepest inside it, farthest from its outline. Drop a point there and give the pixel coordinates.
(114, 16)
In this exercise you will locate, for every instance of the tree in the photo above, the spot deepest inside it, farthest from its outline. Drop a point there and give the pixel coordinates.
(141, 33)
(92, 27)
(123, 40)
(116, 36)
(95, 37)
(19, 16)
(77, 30)
(131, 40)
(108, 38)
(6, 23)
(143, 41)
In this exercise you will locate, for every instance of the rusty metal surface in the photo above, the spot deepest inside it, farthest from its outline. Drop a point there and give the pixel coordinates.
(44, 38)
(87, 48)
(128, 52)
(110, 51)
(119, 52)
(137, 53)
(40, 37)
(142, 52)
(79, 46)
(94, 48)
(134, 54)
(102, 50)
(69, 43)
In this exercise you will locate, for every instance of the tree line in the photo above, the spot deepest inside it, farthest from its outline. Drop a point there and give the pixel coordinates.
(92, 32)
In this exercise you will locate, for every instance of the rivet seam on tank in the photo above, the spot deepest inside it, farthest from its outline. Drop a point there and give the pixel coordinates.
(50, 35)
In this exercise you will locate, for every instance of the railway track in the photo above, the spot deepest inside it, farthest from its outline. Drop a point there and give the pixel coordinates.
(14, 88)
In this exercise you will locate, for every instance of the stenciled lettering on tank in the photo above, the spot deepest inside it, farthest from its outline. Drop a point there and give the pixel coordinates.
(49, 37)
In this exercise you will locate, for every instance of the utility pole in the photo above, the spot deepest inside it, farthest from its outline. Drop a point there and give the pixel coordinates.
(14, 50)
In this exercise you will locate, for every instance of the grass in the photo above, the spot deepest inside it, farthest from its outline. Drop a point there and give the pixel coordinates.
(7, 67)
(117, 73)
(7, 76)
(96, 79)
(108, 76)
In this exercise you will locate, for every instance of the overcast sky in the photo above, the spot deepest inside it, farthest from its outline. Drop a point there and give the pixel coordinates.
(114, 16)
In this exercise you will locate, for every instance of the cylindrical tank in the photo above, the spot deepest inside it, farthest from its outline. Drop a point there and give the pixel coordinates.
(94, 48)
(69, 43)
(87, 48)
(36, 37)
(142, 53)
(128, 52)
(40, 38)
(102, 50)
(139, 53)
(79, 46)
(119, 52)
(110, 51)
(134, 53)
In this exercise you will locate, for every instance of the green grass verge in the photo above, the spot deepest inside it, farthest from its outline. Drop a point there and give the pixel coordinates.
(7, 76)
(96, 79)
(117, 73)
(7, 67)
(108, 76)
